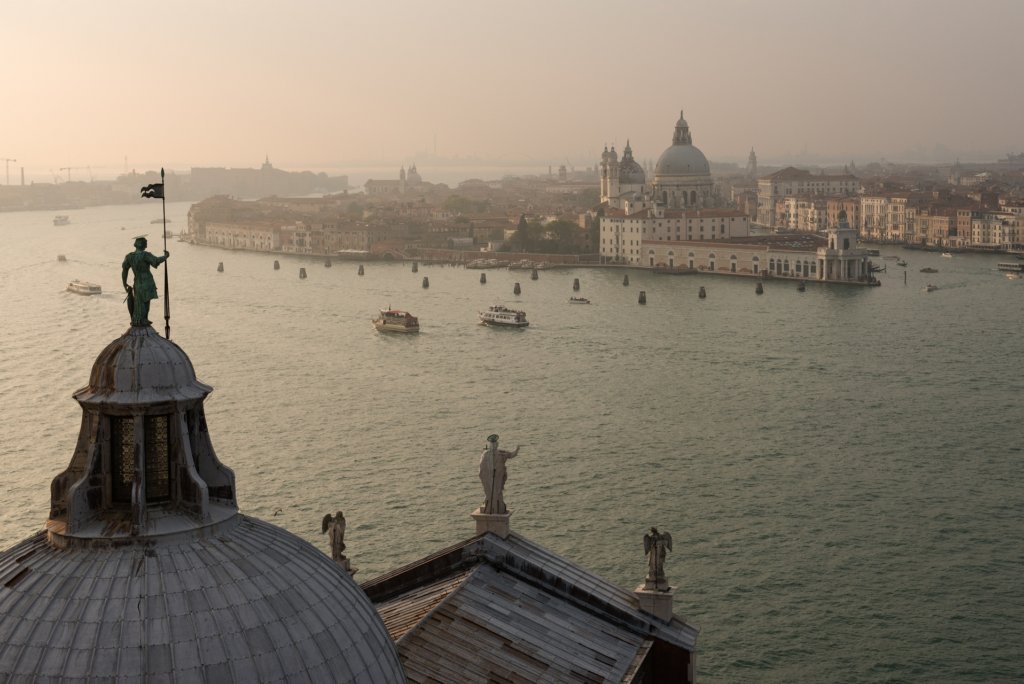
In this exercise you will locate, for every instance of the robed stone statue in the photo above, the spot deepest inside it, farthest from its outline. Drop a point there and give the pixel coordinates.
(493, 475)
(655, 545)
(143, 288)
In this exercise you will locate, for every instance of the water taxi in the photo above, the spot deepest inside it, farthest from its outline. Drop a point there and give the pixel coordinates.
(61, 220)
(393, 320)
(83, 288)
(947, 255)
(499, 315)
(1015, 266)
(578, 300)
(901, 262)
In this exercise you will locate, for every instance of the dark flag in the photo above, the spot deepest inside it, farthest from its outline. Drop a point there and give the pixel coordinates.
(155, 191)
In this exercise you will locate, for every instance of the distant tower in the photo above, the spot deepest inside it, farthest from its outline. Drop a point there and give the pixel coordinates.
(752, 164)
(613, 173)
(604, 174)
(401, 181)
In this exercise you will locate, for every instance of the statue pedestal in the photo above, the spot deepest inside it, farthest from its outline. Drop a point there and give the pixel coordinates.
(496, 523)
(656, 602)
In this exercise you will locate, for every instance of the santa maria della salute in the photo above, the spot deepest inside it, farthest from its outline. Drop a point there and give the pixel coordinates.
(682, 177)
(680, 223)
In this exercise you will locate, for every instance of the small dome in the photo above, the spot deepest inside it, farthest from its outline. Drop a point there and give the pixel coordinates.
(141, 366)
(244, 602)
(630, 173)
(682, 160)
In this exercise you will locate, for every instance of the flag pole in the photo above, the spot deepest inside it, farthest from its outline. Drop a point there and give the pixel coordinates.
(167, 287)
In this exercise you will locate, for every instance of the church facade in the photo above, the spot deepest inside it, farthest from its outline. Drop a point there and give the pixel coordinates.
(681, 203)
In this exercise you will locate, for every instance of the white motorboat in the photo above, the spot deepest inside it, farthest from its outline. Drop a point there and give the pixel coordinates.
(499, 315)
(394, 320)
(947, 255)
(83, 288)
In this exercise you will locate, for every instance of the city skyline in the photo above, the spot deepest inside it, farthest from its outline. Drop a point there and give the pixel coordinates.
(331, 87)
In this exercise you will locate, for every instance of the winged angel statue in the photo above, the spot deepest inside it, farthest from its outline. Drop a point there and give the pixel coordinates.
(334, 527)
(655, 546)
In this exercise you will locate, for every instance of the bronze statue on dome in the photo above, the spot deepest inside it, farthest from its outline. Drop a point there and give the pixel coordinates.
(143, 288)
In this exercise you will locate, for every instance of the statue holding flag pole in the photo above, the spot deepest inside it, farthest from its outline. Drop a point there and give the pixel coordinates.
(139, 298)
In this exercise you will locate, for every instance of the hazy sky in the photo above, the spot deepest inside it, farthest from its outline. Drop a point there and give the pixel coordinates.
(334, 83)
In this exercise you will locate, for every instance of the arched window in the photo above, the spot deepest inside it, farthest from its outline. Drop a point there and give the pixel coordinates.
(671, 253)
(846, 243)
(693, 197)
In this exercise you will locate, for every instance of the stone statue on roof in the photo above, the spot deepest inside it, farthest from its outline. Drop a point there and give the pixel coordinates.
(493, 475)
(143, 288)
(334, 528)
(655, 545)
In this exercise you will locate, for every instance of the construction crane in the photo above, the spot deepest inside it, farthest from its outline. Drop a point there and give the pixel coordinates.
(69, 169)
(7, 164)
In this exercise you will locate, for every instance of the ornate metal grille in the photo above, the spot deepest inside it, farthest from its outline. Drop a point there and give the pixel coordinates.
(122, 458)
(158, 474)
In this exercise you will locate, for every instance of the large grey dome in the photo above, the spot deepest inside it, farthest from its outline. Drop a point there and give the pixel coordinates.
(146, 570)
(244, 601)
(682, 160)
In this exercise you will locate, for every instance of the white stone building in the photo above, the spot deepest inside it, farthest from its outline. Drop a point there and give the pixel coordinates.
(792, 181)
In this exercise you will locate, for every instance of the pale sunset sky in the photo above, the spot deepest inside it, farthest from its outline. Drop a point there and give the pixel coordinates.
(334, 84)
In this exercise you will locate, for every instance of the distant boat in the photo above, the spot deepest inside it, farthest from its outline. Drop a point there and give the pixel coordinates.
(61, 220)
(947, 255)
(929, 269)
(160, 221)
(501, 316)
(83, 288)
(930, 288)
(578, 300)
(394, 320)
(901, 262)
(802, 286)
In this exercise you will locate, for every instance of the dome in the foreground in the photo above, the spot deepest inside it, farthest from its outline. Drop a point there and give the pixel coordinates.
(147, 571)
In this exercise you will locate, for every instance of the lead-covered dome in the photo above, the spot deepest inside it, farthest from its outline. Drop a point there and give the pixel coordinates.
(147, 571)
(243, 602)
(682, 158)
(630, 172)
(142, 366)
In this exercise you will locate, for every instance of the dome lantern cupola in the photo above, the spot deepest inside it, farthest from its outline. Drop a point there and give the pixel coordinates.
(144, 463)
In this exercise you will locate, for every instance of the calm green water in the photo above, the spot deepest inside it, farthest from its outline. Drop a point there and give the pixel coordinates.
(840, 469)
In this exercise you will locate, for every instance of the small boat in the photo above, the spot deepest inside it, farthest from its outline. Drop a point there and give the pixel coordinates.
(61, 220)
(1010, 266)
(156, 221)
(947, 255)
(61, 258)
(929, 269)
(394, 320)
(578, 300)
(802, 286)
(1013, 276)
(83, 288)
(901, 262)
(930, 288)
(502, 316)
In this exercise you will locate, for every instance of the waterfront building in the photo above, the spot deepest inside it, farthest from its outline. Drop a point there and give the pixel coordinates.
(410, 181)
(791, 181)
(833, 257)
(681, 202)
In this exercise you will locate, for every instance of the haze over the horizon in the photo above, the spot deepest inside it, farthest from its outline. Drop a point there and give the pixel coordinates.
(319, 84)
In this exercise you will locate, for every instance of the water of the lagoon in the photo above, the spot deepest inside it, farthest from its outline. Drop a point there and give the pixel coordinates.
(840, 469)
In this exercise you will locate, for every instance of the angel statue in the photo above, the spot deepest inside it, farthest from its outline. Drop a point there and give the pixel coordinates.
(493, 475)
(655, 545)
(334, 527)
